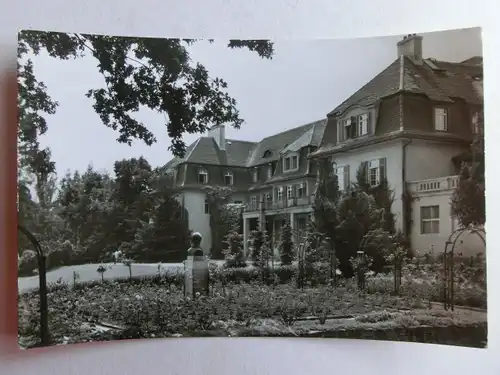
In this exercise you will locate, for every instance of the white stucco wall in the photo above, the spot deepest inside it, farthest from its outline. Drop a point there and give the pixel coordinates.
(194, 202)
(426, 160)
(468, 244)
(392, 151)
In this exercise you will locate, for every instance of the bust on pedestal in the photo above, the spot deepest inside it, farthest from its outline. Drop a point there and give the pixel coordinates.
(196, 274)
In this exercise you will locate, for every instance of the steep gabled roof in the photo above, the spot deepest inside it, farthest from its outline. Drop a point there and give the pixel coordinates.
(205, 151)
(438, 80)
(297, 138)
(249, 154)
(311, 137)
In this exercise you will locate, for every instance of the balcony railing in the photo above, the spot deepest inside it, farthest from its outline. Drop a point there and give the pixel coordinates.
(434, 185)
(282, 204)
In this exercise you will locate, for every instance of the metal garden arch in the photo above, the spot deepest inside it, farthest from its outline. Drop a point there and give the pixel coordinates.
(448, 263)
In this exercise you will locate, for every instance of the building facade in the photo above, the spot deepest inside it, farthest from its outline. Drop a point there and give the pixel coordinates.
(273, 178)
(411, 125)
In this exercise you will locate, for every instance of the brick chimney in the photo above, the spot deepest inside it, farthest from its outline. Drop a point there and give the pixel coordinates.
(411, 46)
(218, 133)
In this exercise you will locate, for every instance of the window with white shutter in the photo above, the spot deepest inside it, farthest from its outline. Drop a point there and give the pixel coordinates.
(441, 119)
(339, 172)
(376, 171)
(363, 124)
(279, 193)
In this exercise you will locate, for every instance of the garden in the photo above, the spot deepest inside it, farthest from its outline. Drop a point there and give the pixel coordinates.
(350, 274)
(245, 302)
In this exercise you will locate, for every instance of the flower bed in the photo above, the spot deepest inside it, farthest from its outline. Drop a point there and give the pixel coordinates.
(419, 283)
(159, 309)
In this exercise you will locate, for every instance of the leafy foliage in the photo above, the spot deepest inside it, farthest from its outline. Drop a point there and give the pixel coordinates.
(84, 218)
(357, 214)
(233, 252)
(139, 72)
(221, 216)
(326, 200)
(383, 195)
(287, 251)
(468, 202)
(256, 243)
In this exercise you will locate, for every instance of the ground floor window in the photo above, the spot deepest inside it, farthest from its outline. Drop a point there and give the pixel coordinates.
(429, 219)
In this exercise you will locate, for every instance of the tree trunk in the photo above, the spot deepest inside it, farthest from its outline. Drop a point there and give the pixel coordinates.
(42, 289)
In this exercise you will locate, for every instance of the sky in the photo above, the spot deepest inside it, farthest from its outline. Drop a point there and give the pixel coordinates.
(304, 81)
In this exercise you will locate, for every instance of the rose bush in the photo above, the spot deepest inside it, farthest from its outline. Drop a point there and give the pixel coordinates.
(162, 310)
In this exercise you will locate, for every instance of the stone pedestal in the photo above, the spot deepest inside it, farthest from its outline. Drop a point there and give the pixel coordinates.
(196, 273)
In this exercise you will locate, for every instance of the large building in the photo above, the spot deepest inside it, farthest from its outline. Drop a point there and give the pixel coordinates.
(273, 178)
(410, 124)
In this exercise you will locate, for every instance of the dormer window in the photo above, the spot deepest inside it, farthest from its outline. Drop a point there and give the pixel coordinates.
(353, 127)
(346, 129)
(363, 124)
(441, 119)
(290, 163)
(229, 178)
(267, 154)
(202, 176)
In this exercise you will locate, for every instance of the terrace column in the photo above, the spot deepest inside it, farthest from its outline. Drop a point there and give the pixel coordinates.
(262, 219)
(292, 226)
(246, 223)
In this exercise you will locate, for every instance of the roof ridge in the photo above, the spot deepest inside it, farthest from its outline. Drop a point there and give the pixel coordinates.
(239, 140)
(362, 87)
(186, 157)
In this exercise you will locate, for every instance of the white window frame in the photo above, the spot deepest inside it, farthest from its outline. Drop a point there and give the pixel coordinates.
(231, 176)
(255, 175)
(279, 193)
(253, 202)
(301, 190)
(203, 172)
(373, 165)
(362, 124)
(434, 229)
(441, 119)
(289, 192)
(339, 172)
(290, 158)
(345, 124)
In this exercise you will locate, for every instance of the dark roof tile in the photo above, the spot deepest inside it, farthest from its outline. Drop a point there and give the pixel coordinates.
(249, 154)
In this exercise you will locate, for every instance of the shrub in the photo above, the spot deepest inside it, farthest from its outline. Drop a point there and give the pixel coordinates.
(286, 248)
(27, 263)
(233, 252)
